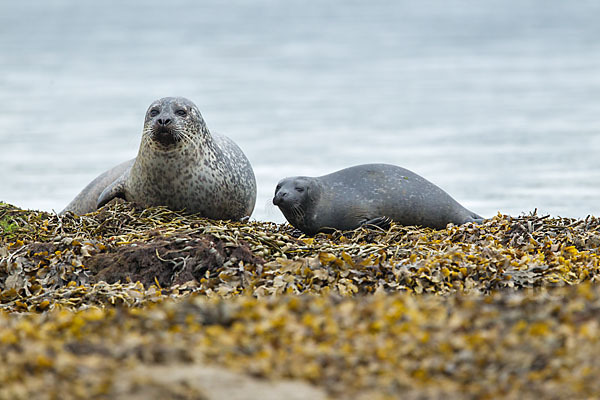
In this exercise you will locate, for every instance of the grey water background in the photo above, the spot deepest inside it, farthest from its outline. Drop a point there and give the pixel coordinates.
(497, 102)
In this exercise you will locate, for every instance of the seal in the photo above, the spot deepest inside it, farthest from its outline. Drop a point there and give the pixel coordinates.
(369, 194)
(180, 165)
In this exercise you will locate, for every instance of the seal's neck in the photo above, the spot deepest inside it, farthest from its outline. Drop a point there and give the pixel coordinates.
(178, 151)
(161, 166)
(190, 147)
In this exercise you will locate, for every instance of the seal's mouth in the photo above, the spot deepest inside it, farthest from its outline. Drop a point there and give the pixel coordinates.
(164, 135)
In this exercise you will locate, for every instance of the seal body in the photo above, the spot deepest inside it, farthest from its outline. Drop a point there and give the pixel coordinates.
(367, 194)
(180, 165)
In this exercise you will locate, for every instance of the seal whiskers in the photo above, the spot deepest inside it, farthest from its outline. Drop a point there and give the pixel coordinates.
(189, 140)
(298, 212)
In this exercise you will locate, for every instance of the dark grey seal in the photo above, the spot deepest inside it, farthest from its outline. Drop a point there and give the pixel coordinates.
(370, 194)
(180, 165)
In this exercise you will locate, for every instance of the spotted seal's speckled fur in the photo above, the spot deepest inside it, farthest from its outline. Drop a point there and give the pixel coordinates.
(370, 194)
(181, 165)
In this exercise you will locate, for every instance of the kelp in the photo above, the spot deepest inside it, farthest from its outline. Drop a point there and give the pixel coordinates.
(183, 253)
(506, 308)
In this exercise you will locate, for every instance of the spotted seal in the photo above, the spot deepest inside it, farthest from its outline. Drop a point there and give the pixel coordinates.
(180, 165)
(372, 194)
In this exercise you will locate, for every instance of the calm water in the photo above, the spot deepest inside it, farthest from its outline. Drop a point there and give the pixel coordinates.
(497, 102)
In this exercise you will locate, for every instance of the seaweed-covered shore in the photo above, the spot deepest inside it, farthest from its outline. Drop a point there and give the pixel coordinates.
(127, 303)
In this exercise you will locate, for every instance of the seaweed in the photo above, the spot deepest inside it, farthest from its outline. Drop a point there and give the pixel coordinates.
(505, 308)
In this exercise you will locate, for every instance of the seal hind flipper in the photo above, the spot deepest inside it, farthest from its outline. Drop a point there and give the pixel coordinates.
(115, 189)
(477, 221)
(475, 218)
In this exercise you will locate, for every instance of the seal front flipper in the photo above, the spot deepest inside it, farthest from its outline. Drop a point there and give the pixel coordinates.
(115, 189)
(379, 222)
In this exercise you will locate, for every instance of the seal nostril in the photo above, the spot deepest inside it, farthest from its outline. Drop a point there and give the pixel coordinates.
(278, 199)
(164, 122)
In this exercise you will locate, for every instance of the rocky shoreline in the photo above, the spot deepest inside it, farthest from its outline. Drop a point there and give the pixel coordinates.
(507, 309)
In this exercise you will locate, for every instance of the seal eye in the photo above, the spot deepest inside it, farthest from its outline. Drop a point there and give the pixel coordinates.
(154, 112)
(299, 189)
(181, 113)
(277, 188)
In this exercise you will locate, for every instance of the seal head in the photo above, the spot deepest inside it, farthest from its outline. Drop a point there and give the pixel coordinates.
(295, 198)
(172, 120)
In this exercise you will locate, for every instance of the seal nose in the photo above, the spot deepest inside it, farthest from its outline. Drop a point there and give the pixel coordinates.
(164, 121)
(278, 199)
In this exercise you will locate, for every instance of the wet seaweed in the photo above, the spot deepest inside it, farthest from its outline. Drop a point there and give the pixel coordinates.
(498, 309)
